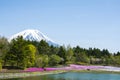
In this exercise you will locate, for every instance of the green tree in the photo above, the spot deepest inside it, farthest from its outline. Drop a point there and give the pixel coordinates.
(54, 60)
(109, 60)
(29, 53)
(45, 61)
(82, 57)
(0, 66)
(42, 61)
(4, 47)
(90, 52)
(97, 53)
(43, 47)
(105, 52)
(69, 55)
(78, 49)
(115, 60)
(118, 54)
(53, 50)
(15, 54)
(62, 53)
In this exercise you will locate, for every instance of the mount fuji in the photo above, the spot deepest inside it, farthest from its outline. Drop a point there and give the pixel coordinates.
(33, 35)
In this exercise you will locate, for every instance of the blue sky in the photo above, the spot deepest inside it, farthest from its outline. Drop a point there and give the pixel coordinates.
(87, 23)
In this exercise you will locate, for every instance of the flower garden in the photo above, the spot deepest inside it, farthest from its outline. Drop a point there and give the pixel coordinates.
(74, 67)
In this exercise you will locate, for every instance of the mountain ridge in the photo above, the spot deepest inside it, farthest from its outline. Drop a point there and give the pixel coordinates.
(33, 35)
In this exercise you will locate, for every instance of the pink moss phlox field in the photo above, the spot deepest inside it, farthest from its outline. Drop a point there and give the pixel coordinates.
(71, 67)
(34, 69)
(81, 67)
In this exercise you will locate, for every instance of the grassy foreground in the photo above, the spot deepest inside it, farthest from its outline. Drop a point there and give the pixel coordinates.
(28, 74)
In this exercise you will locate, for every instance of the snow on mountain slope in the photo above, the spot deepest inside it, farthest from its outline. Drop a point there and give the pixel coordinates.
(33, 35)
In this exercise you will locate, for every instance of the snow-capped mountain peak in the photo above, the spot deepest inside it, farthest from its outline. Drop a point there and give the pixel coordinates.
(33, 35)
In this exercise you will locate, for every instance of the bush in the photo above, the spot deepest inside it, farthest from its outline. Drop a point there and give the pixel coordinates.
(0, 66)
(54, 60)
(69, 62)
(42, 61)
(81, 63)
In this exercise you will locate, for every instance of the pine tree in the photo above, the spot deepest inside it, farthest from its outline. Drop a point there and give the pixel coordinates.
(43, 47)
(62, 53)
(15, 54)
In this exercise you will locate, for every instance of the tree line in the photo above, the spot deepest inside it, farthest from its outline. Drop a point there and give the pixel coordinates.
(23, 54)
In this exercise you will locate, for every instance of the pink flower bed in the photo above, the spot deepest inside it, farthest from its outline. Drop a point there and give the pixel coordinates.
(34, 69)
(51, 69)
(81, 67)
(71, 67)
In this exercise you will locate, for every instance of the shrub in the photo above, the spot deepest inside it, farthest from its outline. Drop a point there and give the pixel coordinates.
(0, 66)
